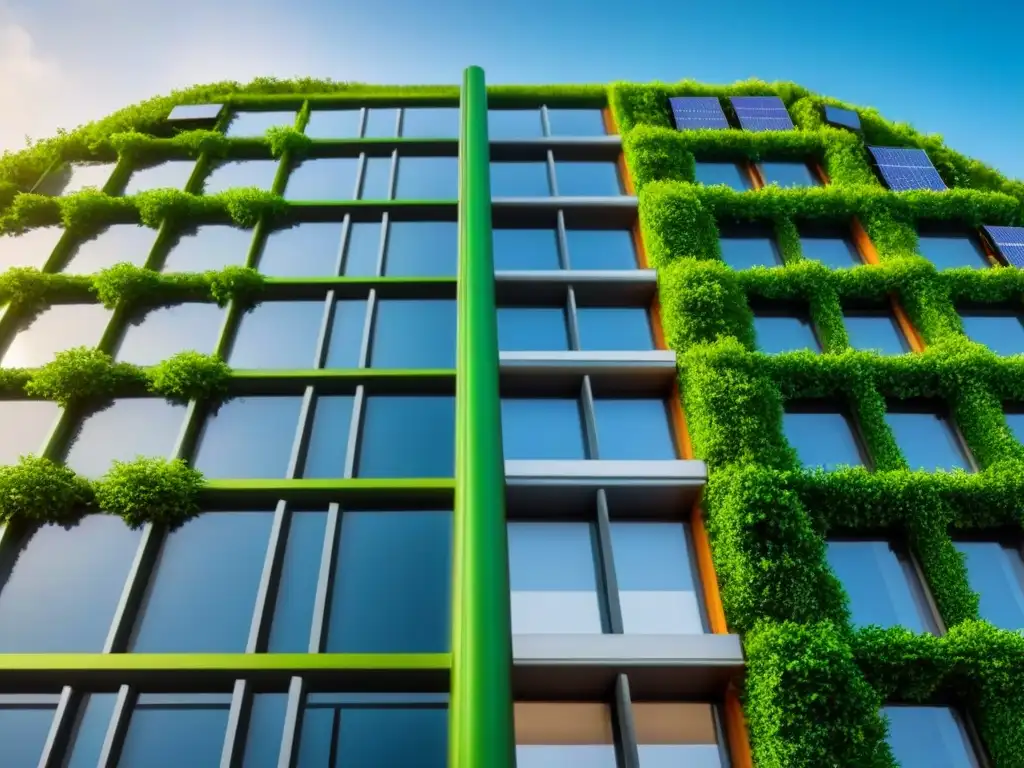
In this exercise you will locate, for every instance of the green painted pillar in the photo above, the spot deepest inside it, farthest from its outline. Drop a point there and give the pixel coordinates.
(481, 734)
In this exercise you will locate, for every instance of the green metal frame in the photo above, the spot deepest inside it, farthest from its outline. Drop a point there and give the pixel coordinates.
(480, 715)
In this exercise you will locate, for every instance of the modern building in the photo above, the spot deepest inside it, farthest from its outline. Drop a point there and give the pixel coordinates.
(633, 426)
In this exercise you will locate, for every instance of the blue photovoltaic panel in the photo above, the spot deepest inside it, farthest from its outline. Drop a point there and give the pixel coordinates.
(905, 169)
(1009, 241)
(842, 118)
(698, 112)
(762, 113)
(195, 112)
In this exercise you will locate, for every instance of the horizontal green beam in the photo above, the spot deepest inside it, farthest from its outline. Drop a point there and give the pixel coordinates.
(332, 484)
(367, 281)
(235, 662)
(362, 374)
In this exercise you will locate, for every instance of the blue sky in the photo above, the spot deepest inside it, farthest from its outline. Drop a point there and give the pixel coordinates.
(945, 66)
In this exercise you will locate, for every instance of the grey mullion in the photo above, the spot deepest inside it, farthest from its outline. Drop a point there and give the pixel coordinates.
(318, 628)
(189, 427)
(400, 121)
(368, 325)
(563, 241)
(393, 178)
(134, 588)
(263, 614)
(286, 758)
(360, 174)
(627, 725)
(363, 116)
(724, 758)
(589, 418)
(607, 564)
(60, 728)
(346, 231)
(545, 121)
(234, 737)
(385, 236)
(324, 337)
(355, 423)
(302, 432)
(574, 325)
(552, 181)
(118, 727)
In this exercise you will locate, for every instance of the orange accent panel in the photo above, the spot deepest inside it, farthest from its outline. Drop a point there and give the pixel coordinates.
(706, 567)
(863, 242)
(819, 169)
(991, 255)
(656, 326)
(913, 337)
(627, 181)
(638, 244)
(755, 174)
(736, 731)
(609, 121)
(683, 444)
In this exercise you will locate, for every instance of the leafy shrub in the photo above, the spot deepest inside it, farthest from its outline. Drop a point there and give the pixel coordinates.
(38, 489)
(149, 490)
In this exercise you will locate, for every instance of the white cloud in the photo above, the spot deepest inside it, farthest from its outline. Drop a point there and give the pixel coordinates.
(31, 85)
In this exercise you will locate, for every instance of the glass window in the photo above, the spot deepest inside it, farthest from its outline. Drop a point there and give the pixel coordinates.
(31, 248)
(111, 433)
(542, 428)
(553, 574)
(673, 734)
(1003, 334)
(90, 730)
(328, 439)
(296, 590)
(408, 436)
(333, 123)
(24, 727)
(945, 742)
(278, 334)
(833, 252)
(307, 249)
(208, 247)
(430, 123)
(1015, 421)
(523, 179)
(601, 249)
(27, 426)
(65, 609)
(587, 179)
(514, 124)
(996, 572)
(555, 734)
(952, 251)
(362, 250)
(414, 333)
(170, 174)
(358, 736)
(376, 183)
(119, 242)
(381, 123)
(732, 175)
(657, 593)
(784, 333)
(253, 124)
(74, 177)
(266, 727)
(881, 584)
(58, 328)
(323, 179)
(391, 584)
(532, 329)
(747, 252)
(236, 174)
(927, 440)
(345, 343)
(422, 249)
(523, 249)
(427, 178)
(248, 437)
(576, 122)
(789, 174)
(875, 331)
(614, 328)
(633, 429)
(153, 335)
(172, 730)
(202, 592)
(822, 439)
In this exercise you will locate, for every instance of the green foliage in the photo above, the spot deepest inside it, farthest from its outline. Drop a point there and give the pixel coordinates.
(37, 489)
(27, 289)
(241, 284)
(284, 138)
(125, 282)
(149, 490)
(81, 374)
(189, 375)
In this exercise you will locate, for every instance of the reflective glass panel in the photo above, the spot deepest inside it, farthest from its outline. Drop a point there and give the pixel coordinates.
(362, 250)
(376, 184)
(327, 179)
(557, 734)
(671, 734)
(278, 334)
(542, 428)
(927, 441)
(633, 429)
(345, 343)
(170, 174)
(833, 252)
(523, 249)
(408, 436)
(248, 437)
(381, 123)
(778, 333)
(532, 329)
(414, 333)
(733, 175)
(59, 327)
(172, 731)
(307, 249)
(430, 122)
(601, 249)
(614, 328)
(576, 122)
(208, 247)
(1003, 334)
(256, 124)
(928, 737)
(74, 177)
(129, 243)
(523, 179)
(357, 736)
(153, 335)
(296, 591)
(31, 248)
(514, 124)
(587, 179)
(823, 440)
(996, 572)
(950, 252)
(789, 174)
(26, 427)
(328, 439)
(427, 178)
(90, 730)
(422, 249)
(333, 123)
(877, 332)
(24, 729)
(235, 174)
(747, 252)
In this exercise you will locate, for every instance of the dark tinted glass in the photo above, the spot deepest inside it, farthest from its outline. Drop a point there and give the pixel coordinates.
(789, 175)
(296, 591)
(542, 428)
(601, 249)
(731, 174)
(996, 572)
(213, 246)
(278, 334)
(26, 426)
(587, 179)
(633, 429)
(927, 441)
(362, 250)
(170, 174)
(422, 249)
(23, 731)
(876, 332)
(323, 179)
(66, 609)
(345, 343)
(266, 726)
(113, 433)
(877, 584)
(576, 122)
(235, 174)
(154, 335)
(823, 440)
(784, 334)
(202, 592)
(526, 179)
(309, 249)
(747, 252)
(74, 177)
(928, 737)
(60, 327)
(376, 184)
(427, 178)
(414, 333)
(171, 731)
(333, 124)
(408, 436)
(90, 732)
(949, 252)
(614, 328)
(357, 737)
(514, 124)
(532, 329)
(833, 252)
(248, 437)
(31, 248)
(250, 124)
(129, 243)
(430, 123)
(1003, 334)
(328, 439)
(381, 123)
(523, 249)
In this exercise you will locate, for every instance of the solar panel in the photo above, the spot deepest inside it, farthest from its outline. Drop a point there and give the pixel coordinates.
(905, 169)
(698, 112)
(762, 113)
(195, 113)
(842, 118)
(1009, 241)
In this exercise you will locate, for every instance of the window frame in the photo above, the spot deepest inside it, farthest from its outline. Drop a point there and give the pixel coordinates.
(933, 407)
(786, 309)
(829, 406)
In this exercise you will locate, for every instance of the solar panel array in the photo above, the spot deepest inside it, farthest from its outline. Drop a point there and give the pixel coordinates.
(762, 113)
(905, 169)
(842, 118)
(698, 112)
(1010, 243)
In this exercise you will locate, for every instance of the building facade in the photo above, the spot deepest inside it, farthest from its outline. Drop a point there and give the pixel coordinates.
(609, 427)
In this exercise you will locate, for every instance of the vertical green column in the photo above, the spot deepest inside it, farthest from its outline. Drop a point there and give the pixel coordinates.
(481, 699)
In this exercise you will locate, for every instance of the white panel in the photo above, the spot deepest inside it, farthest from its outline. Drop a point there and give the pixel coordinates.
(660, 613)
(555, 612)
